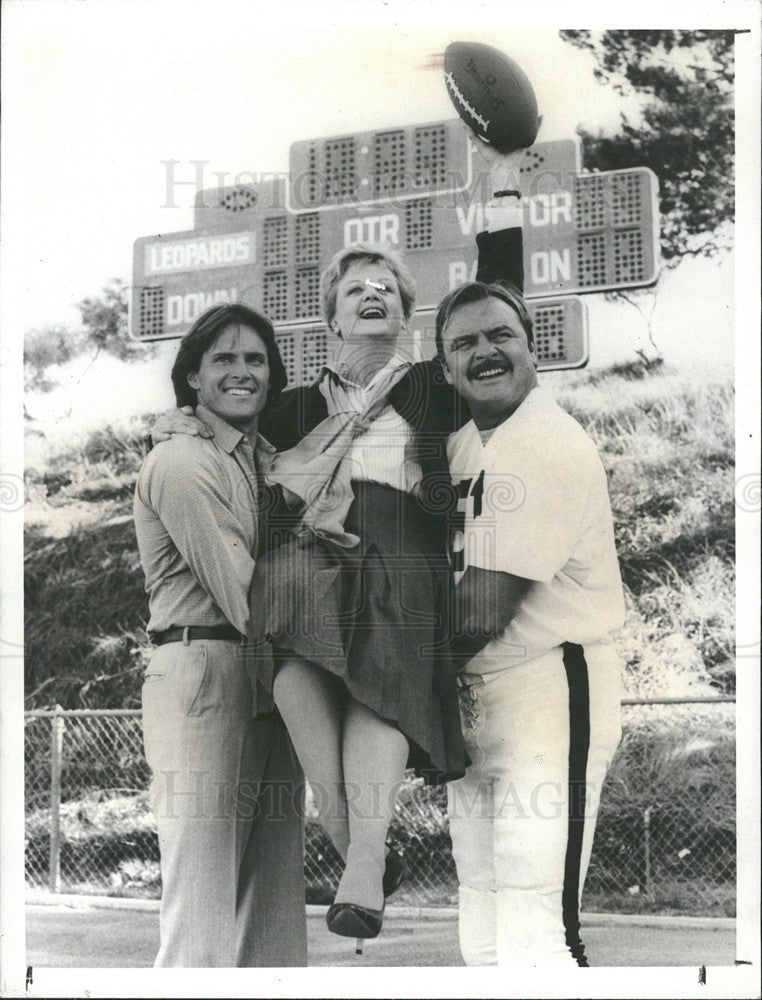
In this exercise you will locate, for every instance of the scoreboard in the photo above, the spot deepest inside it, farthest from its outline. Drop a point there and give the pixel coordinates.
(420, 189)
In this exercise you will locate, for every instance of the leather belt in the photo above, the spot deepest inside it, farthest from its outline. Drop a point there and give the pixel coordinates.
(191, 632)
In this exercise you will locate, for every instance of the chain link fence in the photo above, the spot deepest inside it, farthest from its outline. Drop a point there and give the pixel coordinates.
(665, 838)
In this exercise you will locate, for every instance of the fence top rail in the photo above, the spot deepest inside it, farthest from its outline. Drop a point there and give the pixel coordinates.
(82, 713)
(691, 700)
(85, 713)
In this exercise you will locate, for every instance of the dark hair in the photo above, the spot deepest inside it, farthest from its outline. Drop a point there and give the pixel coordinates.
(204, 333)
(478, 291)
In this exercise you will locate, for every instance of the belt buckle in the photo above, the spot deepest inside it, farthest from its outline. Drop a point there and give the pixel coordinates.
(466, 680)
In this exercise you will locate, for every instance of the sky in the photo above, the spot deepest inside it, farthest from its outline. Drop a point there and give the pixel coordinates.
(106, 91)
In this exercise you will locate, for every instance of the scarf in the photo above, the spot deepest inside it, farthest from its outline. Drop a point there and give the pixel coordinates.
(316, 470)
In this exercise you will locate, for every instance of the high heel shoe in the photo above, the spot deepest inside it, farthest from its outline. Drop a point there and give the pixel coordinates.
(360, 922)
(395, 872)
(352, 920)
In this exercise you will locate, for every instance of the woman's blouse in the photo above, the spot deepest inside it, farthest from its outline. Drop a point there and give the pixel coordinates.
(384, 453)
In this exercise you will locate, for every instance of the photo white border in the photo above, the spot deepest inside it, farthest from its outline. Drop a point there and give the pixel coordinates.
(20, 17)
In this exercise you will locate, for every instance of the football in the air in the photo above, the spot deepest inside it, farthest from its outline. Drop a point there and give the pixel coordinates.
(492, 95)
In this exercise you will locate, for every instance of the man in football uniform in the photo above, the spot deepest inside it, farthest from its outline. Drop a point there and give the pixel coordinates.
(538, 595)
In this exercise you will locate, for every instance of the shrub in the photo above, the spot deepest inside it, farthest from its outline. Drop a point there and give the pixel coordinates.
(85, 610)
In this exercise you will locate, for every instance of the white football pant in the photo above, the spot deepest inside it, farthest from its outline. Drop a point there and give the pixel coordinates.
(540, 736)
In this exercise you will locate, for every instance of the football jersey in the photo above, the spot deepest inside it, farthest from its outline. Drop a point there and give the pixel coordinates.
(534, 503)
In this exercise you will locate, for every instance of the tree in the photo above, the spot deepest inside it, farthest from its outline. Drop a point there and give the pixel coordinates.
(104, 328)
(45, 348)
(104, 319)
(686, 131)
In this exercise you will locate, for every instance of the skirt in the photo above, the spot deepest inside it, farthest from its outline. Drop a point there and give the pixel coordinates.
(375, 616)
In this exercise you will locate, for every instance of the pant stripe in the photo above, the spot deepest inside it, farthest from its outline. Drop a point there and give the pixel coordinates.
(579, 745)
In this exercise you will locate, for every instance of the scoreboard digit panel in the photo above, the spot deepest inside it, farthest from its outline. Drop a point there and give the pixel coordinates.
(393, 163)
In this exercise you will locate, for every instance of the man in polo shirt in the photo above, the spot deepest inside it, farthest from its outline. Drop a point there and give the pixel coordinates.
(538, 594)
(224, 787)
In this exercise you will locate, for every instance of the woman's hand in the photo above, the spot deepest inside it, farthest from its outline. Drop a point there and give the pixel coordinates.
(503, 167)
(180, 421)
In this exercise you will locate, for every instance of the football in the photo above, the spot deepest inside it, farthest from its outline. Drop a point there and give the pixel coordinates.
(492, 94)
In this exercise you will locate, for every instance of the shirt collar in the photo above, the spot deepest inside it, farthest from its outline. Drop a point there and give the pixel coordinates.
(395, 362)
(229, 437)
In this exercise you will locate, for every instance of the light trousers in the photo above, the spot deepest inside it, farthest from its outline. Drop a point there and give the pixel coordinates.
(227, 793)
(540, 736)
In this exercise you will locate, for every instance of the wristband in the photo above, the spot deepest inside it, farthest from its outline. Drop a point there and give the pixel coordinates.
(512, 192)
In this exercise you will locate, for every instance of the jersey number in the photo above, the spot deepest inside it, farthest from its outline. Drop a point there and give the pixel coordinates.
(464, 490)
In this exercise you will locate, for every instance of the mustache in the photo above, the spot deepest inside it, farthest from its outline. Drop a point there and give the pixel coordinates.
(484, 366)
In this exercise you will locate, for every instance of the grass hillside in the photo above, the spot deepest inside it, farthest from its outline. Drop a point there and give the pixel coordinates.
(666, 442)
